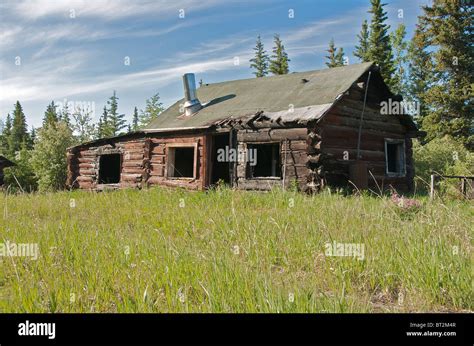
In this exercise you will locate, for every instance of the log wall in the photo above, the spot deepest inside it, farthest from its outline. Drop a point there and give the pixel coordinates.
(333, 145)
(143, 162)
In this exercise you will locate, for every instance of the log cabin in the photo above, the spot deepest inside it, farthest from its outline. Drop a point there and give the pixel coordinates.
(307, 129)
(4, 163)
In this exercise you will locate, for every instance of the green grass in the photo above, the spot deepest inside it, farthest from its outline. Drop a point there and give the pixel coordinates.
(164, 250)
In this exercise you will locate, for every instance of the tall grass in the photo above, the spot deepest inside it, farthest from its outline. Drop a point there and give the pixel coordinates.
(161, 250)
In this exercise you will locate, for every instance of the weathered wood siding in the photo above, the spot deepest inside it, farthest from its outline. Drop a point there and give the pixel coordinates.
(143, 162)
(293, 156)
(336, 136)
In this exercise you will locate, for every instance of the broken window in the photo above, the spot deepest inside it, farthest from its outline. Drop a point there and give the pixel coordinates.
(266, 162)
(181, 162)
(109, 168)
(395, 157)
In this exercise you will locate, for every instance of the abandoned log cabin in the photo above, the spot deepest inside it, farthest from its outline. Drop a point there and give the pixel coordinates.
(4, 163)
(307, 129)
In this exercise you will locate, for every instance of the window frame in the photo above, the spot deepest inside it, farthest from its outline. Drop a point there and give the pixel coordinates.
(169, 161)
(248, 174)
(401, 143)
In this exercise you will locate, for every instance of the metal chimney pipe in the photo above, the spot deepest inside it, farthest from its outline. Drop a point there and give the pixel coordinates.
(192, 104)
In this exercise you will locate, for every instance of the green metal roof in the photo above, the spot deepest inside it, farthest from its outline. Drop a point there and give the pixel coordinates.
(310, 93)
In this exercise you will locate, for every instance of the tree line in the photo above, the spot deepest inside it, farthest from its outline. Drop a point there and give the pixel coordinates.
(434, 68)
(40, 153)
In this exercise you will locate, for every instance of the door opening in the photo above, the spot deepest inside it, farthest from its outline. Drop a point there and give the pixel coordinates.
(220, 163)
(109, 168)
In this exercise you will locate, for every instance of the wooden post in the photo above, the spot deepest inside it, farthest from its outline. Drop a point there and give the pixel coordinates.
(284, 163)
(432, 186)
(464, 187)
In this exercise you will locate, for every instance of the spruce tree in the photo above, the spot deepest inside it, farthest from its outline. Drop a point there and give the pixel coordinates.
(65, 114)
(420, 72)
(6, 136)
(50, 115)
(279, 61)
(134, 126)
(380, 50)
(399, 46)
(82, 127)
(153, 108)
(19, 132)
(335, 57)
(260, 61)
(361, 51)
(116, 121)
(447, 27)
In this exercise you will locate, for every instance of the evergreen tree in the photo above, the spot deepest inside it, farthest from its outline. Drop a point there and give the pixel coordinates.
(447, 27)
(32, 138)
(135, 120)
(65, 114)
(116, 121)
(104, 127)
(279, 61)
(153, 108)
(21, 176)
(420, 72)
(6, 136)
(362, 50)
(335, 57)
(19, 132)
(380, 50)
(260, 61)
(50, 115)
(83, 128)
(399, 46)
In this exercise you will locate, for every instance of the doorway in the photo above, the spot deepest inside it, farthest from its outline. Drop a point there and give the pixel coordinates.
(220, 158)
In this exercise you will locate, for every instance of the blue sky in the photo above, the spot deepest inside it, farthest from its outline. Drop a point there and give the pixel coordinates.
(77, 50)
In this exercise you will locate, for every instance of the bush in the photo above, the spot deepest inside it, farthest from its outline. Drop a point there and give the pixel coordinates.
(444, 156)
(49, 156)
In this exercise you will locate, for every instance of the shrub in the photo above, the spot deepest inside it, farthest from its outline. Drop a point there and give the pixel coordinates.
(443, 156)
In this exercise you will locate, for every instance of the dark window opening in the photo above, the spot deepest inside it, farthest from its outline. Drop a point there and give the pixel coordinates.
(267, 158)
(220, 169)
(109, 169)
(395, 157)
(181, 162)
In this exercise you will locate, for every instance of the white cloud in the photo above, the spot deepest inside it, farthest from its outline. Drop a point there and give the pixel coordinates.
(103, 9)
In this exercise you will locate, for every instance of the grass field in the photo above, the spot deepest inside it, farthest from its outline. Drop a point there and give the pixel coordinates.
(163, 250)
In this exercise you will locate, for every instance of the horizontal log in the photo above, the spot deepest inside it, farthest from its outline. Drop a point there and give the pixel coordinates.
(83, 178)
(134, 163)
(158, 149)
(157, 159)
(85, 171)
(86, 159)
(86, 165)
(177, 139)
(132, 170)
(272, 135)
(157, 169)
(335, 119)
(134, 156)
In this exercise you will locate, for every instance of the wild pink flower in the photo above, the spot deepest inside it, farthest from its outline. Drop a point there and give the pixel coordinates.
(405, 203)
